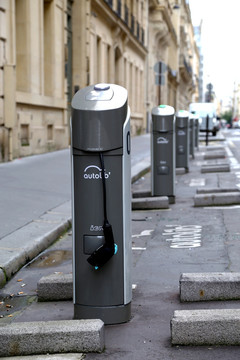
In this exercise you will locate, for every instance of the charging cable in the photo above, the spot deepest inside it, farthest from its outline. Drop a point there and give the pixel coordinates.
(104, 253)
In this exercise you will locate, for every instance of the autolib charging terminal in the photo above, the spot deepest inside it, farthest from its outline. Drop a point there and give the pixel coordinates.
(182, 139)
(163, 152)
(101, 203)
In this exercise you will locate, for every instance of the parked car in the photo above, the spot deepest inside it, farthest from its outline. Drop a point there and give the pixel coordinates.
(203, 110)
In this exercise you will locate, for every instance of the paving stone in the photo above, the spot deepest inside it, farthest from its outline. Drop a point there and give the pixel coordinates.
(209, 286)
(215, 168)
(228, 198)
(55, 287)
(49, 337)
(206, 327)
(154, 202)
(214, 155)
(216, 190)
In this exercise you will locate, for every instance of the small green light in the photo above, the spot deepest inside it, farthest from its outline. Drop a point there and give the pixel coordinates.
(162, 106)
(181, 110)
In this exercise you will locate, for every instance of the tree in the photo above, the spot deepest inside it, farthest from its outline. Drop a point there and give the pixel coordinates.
(227, 115)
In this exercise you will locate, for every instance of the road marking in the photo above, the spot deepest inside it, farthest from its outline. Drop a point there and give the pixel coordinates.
(143, 233)
(183, 236)
(197, 182)
(139, 248)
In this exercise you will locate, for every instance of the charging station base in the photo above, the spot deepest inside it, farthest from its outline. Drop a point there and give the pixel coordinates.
(109, 315)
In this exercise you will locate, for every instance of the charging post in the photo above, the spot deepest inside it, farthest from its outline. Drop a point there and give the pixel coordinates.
(163, 157)
(191, 135)
(101, 204)
(182, 139)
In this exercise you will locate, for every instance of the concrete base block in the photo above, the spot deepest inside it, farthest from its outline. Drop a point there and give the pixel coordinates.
(209, 286)
(2, 278)
(206, 327)
(215, 148)
(214, 155)
(55, 287)
(141, 194)
(215, 168)
(63, 336)
(229, 198)
(154, 202)
(216, 190)
(182, 171)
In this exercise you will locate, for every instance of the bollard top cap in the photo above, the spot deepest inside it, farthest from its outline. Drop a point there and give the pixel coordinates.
(183, 113)
(163, 110)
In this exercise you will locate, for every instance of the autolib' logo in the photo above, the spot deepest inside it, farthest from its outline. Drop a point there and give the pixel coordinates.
(162, 140)
(93, 172)
(181, 132)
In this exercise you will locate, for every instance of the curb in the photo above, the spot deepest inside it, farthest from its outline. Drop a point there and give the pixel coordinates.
(149, 203)
(35, 237)
(228, 198)
(215, 168)
(206, 327)
(216, 190)
(210, 155)
(209, 286)
(55, 287)
(46, 337)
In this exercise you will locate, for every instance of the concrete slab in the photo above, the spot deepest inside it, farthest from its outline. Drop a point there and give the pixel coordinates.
(76, 356)
(181, 171)
(27, 242)
(140, 169)
(2, 278)
(141, 194)
(154, 202)
(49, 337)
(228, 198)
(214, 155)
(215, 148)
(216, 190)
(206, 327)
(209, 286)
(215, 168)
(55, 287)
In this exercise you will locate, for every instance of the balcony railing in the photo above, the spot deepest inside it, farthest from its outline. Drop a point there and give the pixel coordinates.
(129, 19)
(132, 23)
(119, 8)
(126, 14)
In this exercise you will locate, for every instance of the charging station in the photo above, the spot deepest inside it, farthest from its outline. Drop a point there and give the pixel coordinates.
(182, 139)
(101, 204)
(192, 135)
(163, 157)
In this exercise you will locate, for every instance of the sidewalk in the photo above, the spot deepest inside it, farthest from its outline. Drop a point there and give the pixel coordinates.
(36, 193)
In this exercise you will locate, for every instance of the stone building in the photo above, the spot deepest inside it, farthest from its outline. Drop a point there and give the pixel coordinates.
(33, 106)
(173, 59)
(113, 50)
(49, 49)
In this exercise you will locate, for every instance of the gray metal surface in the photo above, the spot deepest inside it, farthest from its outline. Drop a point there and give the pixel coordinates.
(182, 139)
(101, 123)
(163, 161)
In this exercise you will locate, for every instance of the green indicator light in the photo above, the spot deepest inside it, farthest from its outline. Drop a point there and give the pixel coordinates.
(162, 106)
(181, 110)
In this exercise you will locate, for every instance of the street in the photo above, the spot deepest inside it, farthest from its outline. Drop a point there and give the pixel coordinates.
(161, 252)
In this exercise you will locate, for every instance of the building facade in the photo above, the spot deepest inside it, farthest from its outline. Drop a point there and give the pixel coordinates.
(49, 49)
(33, 110)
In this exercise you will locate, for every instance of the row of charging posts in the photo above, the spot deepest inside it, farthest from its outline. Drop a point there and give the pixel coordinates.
(173, 139)
(101, 195)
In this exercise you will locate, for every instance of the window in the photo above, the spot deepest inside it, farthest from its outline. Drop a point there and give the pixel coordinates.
(24, 134)
(50, 132)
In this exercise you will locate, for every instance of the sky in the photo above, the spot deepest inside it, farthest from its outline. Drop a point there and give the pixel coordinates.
(220, 42)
